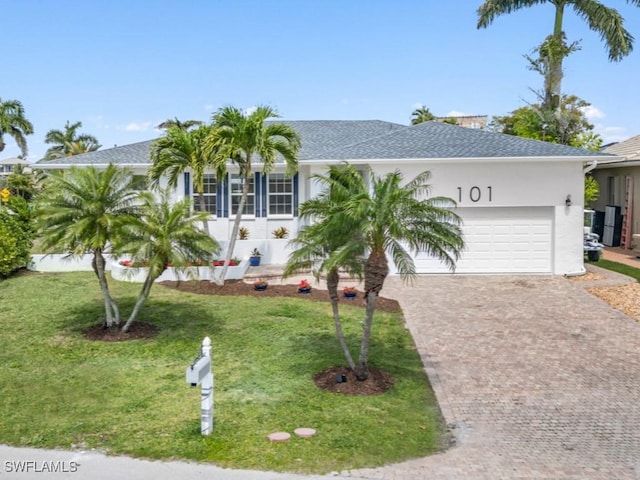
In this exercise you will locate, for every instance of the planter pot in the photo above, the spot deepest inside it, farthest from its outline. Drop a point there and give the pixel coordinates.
(260, 287)
(350, 294)
(304, 290)
(254, 261)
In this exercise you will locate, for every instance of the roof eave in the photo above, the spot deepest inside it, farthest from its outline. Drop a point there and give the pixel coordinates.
(579, 158)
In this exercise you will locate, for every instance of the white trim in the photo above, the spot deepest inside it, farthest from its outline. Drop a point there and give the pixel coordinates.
(396, 161)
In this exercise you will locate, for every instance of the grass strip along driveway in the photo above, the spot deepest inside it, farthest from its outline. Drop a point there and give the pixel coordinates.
(61, 390)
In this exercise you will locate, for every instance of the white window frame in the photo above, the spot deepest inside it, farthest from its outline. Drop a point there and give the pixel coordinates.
(251, 198)
(195, 197)
(284, 179)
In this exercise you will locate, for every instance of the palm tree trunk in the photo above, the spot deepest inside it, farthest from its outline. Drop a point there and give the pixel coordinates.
(333, 277)
(556, 54)
(205, 222)
(1, 143)
(362, 370)
(376, 270)
(110, 307)
(236, 228)
(144, 294)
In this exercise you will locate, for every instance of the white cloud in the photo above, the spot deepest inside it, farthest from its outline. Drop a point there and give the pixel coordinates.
(249, 110)
(611, 134)
(418, 105)
(592, 113)
(456, 113)
(208, 107)
(137, 127)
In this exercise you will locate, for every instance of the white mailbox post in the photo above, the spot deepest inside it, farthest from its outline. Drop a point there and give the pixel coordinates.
(200, 372)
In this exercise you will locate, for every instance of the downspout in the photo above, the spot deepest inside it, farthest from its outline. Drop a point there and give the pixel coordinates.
(588, 168)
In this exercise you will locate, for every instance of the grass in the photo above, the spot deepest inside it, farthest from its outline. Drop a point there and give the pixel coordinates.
(61, 390)
(619, 268)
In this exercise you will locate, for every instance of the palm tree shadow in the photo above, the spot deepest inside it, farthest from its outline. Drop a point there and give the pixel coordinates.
(182, 319)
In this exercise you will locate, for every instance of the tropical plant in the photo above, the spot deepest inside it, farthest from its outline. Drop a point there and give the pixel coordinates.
(421, 115)
(243, 233)
(566, 125)
(280, 233)
(178, 151)
(603, 20)
(68, 142)
(242, 137)
(21, 183)
(162, 234)
(389, 218)
(175, 123)
(14, 123)
(16, 233)
(324, 245)
(591, 190)
(81, 211)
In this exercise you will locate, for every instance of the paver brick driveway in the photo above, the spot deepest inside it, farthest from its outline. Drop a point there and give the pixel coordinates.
(537, 378)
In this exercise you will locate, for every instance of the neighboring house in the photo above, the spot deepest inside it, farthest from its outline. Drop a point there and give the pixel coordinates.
(467, 121)
(8, 165)
(619, 181)
(520, 199)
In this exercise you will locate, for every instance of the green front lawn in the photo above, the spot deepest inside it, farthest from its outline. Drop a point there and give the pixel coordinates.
(61, 390)
(619, 268)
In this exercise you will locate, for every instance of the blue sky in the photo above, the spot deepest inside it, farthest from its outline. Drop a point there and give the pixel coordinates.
(121, 67)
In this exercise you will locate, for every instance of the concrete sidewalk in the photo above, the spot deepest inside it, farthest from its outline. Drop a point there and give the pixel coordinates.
(33, 464)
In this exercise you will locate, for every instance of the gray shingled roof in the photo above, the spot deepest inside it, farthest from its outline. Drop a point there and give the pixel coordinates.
(442, 140)
(371, 139)
(629, 149)
(135, 153)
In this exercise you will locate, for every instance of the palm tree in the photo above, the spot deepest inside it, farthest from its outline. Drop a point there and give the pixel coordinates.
(14, 123)
(180, 150)
(160, 235)
(421, 115)
(395, 219)
(68, 143)
(601, 19)
(242, 137)
(330, 231)
(80, 211)
(186, 125)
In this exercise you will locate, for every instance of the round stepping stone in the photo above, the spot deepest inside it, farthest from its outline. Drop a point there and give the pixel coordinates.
(304, 432)
(279, 437)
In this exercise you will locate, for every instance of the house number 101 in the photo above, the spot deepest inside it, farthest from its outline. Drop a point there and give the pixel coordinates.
(475, 194)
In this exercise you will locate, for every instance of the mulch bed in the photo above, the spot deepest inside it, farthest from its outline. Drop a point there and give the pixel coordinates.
(238, 287)
(376, 383)
(137, 331)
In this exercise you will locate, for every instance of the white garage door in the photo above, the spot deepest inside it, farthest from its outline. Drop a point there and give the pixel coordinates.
(500, 240)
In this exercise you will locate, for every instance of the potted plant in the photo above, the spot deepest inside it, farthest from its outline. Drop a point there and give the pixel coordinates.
(260, 285)
(280, 232)
(254, 258)
(349, 292)
(304, 286)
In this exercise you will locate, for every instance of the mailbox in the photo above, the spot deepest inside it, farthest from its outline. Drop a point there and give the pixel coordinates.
(200, 368)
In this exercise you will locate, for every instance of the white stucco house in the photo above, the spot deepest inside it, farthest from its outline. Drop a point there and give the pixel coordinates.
(521, 200)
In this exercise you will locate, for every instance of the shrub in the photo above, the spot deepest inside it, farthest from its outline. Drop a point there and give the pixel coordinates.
(280, 232)
(16, 235)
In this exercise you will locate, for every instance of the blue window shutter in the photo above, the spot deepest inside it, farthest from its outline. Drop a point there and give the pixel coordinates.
(219, 197)
(187, 184)
(263, 197)
(256, 192)
(226, 196)
(295, 195)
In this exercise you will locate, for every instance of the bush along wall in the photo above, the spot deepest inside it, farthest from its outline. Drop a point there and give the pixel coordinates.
(16, 235)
